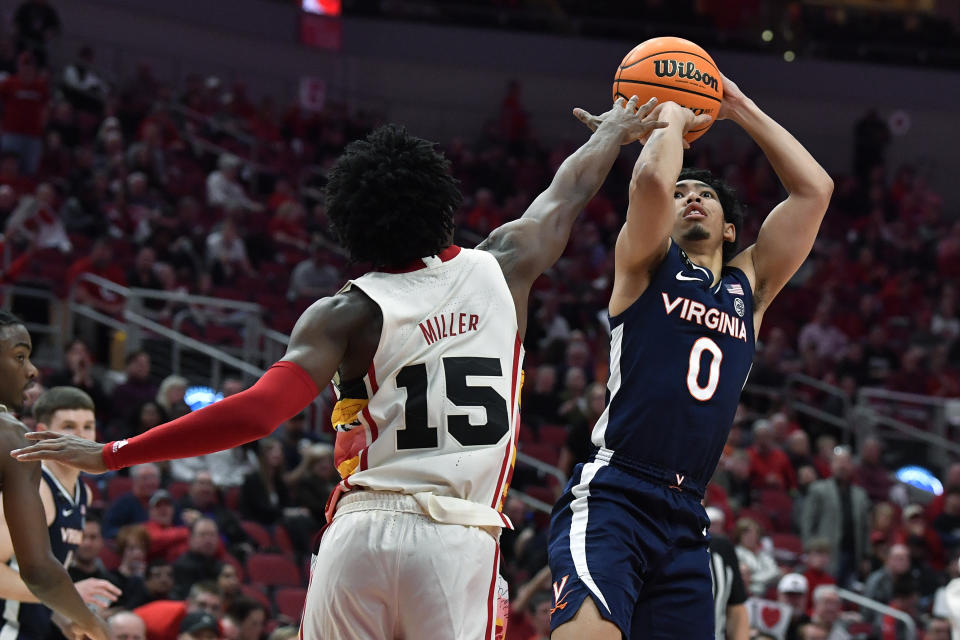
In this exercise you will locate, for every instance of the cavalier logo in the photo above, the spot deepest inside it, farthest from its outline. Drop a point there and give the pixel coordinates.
(670, 68)
(738, 306)
(558, 598)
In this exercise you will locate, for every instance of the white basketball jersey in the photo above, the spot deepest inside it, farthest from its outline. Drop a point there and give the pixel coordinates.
(440, 414)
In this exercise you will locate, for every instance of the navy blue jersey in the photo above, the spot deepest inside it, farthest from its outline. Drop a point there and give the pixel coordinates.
(29, 621)
(679, 358)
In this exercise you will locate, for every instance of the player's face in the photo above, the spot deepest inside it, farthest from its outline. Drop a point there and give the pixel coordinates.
(76, 422)
(17, 373)
(699, 214)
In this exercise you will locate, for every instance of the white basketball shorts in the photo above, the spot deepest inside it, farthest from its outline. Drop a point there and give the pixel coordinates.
(385, 571)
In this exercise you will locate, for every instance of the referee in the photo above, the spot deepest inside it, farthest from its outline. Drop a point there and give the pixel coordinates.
(729, 592)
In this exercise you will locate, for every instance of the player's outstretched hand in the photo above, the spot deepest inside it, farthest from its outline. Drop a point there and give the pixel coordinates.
(61, 447)
(632, 121)
(100, 593)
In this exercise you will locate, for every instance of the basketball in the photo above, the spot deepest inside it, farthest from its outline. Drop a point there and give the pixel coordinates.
(672, 69)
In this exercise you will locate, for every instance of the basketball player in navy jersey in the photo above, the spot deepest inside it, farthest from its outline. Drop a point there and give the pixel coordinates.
(628, 538)
(42, 573)
(65, 499)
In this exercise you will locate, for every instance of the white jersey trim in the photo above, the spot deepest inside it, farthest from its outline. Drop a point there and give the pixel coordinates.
(613, 385)
(578, 527)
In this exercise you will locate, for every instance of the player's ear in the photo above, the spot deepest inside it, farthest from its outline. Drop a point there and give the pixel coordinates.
(40, 426)
(729, 232)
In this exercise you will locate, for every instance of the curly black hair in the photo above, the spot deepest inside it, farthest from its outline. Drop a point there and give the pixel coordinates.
(732, 209)
(7, 319)
(391, 199)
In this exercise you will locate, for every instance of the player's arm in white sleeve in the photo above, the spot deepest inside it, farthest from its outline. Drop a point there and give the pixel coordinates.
(528, 246)
(788, 232)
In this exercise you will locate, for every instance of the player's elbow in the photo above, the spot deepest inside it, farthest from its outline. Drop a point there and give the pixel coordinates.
(649, 178)
(39, 576)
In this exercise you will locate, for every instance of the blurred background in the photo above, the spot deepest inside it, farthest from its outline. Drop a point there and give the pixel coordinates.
(161, 168)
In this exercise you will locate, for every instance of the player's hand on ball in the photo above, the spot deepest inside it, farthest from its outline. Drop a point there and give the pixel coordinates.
(733, 99)
(674, 113)
(632, 121)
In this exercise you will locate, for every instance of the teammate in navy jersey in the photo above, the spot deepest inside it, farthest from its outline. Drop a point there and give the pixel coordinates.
(45, 577)
(65, 499)
(628, 538)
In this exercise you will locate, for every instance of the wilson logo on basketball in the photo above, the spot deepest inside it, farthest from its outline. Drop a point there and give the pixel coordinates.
(671, 68)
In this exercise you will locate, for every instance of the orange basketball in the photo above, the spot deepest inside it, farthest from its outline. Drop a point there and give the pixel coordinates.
(672, 69)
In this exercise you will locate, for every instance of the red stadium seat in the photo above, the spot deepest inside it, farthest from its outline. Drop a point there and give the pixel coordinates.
(178, 489)
(757, 515)
(779, 506)
(257, 532)
(554, 435)
(273, 570)
(117, 486)
(544, 452)
(787, 548)
(281, 539)
(290, 601)
(257, 594)
(231, 498)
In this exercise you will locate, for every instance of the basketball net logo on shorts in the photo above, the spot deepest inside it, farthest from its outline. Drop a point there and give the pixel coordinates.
(558, 602)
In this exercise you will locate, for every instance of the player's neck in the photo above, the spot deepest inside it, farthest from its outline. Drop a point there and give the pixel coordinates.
(66, 475)
(702, 256)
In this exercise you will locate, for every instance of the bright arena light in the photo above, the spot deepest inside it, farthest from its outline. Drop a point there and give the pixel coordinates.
(920, 478)
(789, 56)
(767, 35)
(200, 397)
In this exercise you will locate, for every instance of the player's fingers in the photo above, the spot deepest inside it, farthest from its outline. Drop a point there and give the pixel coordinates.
(41, 435)
(620, 101)
(701, 121)
(646, 107)
(632, 103)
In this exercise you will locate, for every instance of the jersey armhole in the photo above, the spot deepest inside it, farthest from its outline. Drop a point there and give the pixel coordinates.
(654, 274)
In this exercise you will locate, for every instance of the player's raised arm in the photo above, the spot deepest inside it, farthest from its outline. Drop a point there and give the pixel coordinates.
(40, 570)
(317, 346)
(650, 214)
(787, 234)
(528, 246)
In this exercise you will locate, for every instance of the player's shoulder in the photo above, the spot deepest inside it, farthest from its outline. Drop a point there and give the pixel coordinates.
(11, 432)
(350, 308)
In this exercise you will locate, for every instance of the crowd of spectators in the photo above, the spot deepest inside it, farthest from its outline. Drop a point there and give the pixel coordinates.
(202, 189)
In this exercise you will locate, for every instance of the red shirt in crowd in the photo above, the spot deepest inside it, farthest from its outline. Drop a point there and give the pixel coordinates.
(815, 578)
(162, 618)
(771, 469)
(23, 105)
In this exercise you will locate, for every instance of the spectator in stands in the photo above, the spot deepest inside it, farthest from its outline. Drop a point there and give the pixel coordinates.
(925, 547)
(224, 189)
(314, 277)
(143, 275)
(132, 543)
(249, 616)
(170, 396)
(938, 629)
(202, 500)
(288, 234)
(748, 538)
(839, 511)
(35, 222)
(904, 599)
(159, 580)
(880, 358)
(200, 561)
(817, 559)
(882, 533)
(538, 613)
(82, 87)
(879, 585)
(131, 507)
(729, 590)
(126, 625)
(826, 612)
(228, 582)
(79, 372)
(36, 23)
(24, 96)
(136, 390)
(947, 524)
(769, 465)
(820, 335)
(227, 254)
(734, 477)
(199, 626)
(872, 475)
(86, 559)
(793, 590)
(540, 402)
(314, 478)
(811, 632)
(578, 446)
(165, 539)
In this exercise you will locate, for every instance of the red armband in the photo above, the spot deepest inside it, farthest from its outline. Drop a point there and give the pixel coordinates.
(283, 392)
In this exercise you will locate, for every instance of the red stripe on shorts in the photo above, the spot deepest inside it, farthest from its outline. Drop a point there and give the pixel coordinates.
(492, 596)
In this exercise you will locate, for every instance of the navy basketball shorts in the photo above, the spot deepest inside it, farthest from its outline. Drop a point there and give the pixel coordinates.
(635, 546)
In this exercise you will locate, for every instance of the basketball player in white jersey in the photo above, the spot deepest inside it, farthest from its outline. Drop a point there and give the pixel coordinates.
(425, 351)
